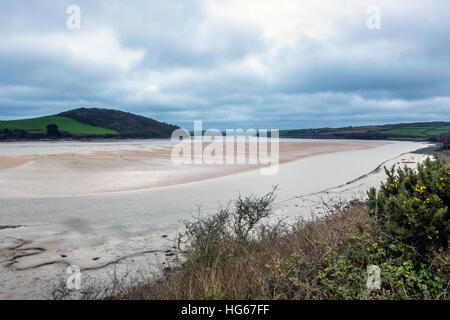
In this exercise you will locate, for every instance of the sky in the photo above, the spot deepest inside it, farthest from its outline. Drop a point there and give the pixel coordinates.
(231, 63)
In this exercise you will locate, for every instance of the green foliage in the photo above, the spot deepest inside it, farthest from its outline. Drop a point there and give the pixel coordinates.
(414, 131)
(403, 276)
(342, 273)
(64, 124)
(409, 131)
(417, 131)
(52, 130)
(413, 205)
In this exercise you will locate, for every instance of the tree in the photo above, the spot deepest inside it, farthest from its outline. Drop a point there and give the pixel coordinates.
(52, 130)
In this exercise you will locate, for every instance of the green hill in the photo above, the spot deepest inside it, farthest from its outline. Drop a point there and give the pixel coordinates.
(401, 131)
(65, 124)
(128, 125)
(418, 131)
(86, 123)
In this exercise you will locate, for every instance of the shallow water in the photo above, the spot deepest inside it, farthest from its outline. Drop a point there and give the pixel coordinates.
(168, 204)
(24, 148)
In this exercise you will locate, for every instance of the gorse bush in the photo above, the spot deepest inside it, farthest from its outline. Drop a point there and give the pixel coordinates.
(413, 204)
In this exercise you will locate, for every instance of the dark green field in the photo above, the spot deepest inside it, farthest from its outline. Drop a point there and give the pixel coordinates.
(402, 131)
(417, 131)
(38, 125)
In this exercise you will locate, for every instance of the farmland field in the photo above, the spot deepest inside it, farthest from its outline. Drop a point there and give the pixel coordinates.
(414, 131)
(406, 131)
(417, 131)
(64, 124)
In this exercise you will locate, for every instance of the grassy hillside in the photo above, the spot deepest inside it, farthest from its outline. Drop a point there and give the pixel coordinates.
(38, 125)
(413, 131)
(86, 123)
(417, 131)
(128, 125)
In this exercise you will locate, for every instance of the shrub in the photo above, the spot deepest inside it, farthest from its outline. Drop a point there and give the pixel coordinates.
(206, 235)
(413, 204)
(52, 130)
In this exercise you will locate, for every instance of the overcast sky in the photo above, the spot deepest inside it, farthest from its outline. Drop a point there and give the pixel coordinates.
(231, 63)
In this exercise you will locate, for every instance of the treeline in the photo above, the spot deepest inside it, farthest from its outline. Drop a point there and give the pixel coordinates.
(18, 134)
(331, 134)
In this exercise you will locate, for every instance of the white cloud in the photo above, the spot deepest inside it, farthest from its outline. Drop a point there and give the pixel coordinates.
(99, 47)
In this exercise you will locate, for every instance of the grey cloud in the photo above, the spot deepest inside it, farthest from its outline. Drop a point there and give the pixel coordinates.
(195, 68)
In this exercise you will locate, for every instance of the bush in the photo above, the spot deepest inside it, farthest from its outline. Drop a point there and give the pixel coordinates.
(206, 235)
(412, 205)
(52, 130)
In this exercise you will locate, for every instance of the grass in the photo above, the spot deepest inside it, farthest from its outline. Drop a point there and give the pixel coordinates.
(411, 131)
(438, 130)
(417, 131)
(64, 124)
(399, 131)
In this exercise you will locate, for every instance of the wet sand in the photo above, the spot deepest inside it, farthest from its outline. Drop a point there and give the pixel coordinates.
(13, 162)
(102, 171)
